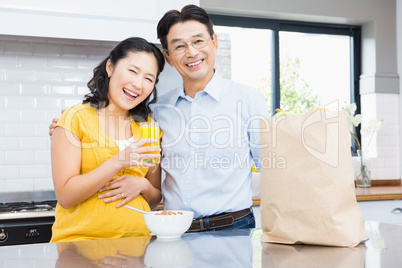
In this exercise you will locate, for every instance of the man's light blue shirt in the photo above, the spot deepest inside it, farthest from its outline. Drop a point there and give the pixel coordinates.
(208, 146)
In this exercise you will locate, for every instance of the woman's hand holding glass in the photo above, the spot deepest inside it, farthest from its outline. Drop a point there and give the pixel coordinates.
(136, 153)
(126, 188)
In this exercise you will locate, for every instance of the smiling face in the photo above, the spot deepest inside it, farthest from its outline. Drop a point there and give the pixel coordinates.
(194, 65)
(132, 80)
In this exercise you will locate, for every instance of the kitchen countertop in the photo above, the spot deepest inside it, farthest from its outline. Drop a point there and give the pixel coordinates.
(379, 193)
(238, 248)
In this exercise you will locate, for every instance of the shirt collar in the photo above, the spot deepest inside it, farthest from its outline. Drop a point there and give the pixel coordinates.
(213, 88)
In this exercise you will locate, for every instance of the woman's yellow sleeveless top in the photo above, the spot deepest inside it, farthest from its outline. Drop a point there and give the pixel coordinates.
(93, 218)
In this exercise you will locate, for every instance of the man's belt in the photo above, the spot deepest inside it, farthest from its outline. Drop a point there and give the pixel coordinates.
(218, 221)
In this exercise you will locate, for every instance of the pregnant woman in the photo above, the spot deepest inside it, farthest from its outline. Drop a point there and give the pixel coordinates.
(98, 143)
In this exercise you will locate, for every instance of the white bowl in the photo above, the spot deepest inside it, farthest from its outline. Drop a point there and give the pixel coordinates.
(169, 226)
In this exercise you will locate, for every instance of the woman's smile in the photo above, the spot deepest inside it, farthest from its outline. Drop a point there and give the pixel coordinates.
(130, 94)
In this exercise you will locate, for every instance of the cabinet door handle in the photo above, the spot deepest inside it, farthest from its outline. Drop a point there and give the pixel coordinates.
(397, 211)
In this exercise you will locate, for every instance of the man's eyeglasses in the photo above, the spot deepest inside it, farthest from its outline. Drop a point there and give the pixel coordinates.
(180, 48)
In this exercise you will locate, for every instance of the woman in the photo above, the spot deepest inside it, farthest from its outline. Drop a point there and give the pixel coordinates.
(98, 143)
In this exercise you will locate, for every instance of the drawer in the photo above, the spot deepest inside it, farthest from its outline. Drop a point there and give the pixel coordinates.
(381, 211)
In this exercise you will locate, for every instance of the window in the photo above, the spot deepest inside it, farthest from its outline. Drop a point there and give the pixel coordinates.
(315, 68)
(244, 56)
(297, 65)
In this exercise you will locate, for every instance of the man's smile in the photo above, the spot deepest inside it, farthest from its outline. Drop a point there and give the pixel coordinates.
(194, 63)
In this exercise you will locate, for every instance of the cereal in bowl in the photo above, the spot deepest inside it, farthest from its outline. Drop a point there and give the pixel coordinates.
(166, 212)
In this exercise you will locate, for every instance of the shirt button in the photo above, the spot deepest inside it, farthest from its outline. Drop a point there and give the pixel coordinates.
(185, 202)
(189, 177)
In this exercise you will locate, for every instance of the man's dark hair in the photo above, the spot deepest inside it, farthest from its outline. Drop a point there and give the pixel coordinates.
(189, 12)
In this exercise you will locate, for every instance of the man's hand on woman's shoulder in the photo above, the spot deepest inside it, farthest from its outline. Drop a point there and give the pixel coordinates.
(54, 122)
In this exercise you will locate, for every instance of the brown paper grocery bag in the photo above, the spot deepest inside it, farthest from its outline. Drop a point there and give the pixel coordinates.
(307, 185)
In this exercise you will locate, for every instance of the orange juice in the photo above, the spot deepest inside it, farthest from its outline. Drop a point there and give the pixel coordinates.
(150, 130)
(254, 169)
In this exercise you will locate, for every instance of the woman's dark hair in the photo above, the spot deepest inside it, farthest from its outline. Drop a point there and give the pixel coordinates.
(189, 12)
(99, 84)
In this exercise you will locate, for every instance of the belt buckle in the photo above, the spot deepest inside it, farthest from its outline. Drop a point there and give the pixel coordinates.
(202, 224)
(197, 225)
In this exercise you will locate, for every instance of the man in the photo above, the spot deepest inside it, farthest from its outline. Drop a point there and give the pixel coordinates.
(210, 126)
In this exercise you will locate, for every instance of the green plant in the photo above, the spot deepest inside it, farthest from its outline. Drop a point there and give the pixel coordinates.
(296, 95)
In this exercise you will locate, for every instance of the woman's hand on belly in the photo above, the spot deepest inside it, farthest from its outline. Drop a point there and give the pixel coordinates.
(124, 188)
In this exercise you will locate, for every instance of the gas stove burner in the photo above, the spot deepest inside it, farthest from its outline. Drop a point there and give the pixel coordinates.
(15, 207)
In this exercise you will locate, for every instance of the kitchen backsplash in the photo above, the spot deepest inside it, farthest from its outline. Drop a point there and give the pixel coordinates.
(384, 154)
(40, 76)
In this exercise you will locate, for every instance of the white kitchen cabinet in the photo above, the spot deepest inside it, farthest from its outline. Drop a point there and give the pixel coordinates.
(87, 20)
(379, 210)
(257, 216)
(382, 211)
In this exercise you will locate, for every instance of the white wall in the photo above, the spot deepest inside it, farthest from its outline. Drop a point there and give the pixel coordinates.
(38, 77)
(379, 82)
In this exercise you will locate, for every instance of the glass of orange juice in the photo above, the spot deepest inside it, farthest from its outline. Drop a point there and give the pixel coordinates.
(150, 130)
